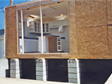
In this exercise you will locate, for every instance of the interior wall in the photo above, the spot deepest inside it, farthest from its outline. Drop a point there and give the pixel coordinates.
(2, 46)
(27, 33)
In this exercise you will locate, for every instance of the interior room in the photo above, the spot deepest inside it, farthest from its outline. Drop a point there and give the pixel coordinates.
(44, 29)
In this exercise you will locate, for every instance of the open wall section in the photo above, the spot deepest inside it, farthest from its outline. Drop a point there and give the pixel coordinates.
(44, 29)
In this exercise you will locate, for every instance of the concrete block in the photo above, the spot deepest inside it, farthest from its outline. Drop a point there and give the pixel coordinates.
(71, 61)
(74, 76)
(39, 77)
(39, 73)
(39, 64)
(15, 71)
(38, 61)
(39, 68)
(72, 70)
(72, 65)
(73, 80)
(15, 75)
(14, 67)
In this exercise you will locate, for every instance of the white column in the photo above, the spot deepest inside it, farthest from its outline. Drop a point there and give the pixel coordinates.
(73, 71)
(41, 23)
(22, 29)
(18, 31)
(14, 68)
(41, 69)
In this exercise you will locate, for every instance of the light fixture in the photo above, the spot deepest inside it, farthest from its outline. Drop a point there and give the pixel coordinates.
(34, 16)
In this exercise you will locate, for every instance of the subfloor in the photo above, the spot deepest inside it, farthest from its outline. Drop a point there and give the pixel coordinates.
(24, 81)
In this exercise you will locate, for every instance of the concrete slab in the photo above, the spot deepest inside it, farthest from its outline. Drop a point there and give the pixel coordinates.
(24, 81)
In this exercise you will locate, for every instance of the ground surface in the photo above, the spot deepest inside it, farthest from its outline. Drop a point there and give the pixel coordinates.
(23, 81)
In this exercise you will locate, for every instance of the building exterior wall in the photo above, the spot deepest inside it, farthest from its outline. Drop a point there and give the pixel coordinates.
(3, 67)
(11, 32)
(89, 31)
(2, 45)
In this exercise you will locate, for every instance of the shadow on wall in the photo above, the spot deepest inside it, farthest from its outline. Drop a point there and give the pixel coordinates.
(95, 71)
(57, 70)
(28, 69)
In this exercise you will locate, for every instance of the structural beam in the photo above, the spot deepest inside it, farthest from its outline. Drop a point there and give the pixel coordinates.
(44, 3)
(22, 30)
(41, 23)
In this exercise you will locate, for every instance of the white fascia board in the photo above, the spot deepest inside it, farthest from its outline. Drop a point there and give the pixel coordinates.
(38, 4)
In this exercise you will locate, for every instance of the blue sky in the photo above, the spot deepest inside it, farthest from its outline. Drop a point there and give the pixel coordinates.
(4, 3)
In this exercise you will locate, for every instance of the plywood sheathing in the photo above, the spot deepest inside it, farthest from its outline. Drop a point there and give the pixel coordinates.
(91, 29)
(47, 56)
(11, 32)
(109, 18)
(72, 28)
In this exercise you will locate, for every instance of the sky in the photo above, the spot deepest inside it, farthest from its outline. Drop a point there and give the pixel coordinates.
(4, 3)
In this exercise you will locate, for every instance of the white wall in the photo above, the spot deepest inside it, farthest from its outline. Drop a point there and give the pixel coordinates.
(3, 67)
(2, 46)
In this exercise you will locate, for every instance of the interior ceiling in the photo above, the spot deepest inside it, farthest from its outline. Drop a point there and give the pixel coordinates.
(49, 12)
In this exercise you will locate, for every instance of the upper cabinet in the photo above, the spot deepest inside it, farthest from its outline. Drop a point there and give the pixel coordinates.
(57, 24)
(46, 28)
(36, 28)
(19, 29)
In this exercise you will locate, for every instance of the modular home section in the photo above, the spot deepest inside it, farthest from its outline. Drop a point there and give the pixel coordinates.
(44, 29)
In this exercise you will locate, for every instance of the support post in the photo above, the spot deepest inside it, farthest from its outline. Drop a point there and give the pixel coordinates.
(14, 68)
(41, 23)
(73, 71)
(41, 69)
(22, 28)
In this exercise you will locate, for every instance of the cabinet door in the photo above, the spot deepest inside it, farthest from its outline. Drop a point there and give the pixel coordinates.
(38, 27)
(47, 28)
(44, 28)
(20, 32)
(32, 26)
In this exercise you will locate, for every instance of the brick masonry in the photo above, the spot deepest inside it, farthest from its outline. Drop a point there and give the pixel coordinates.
(90, 29)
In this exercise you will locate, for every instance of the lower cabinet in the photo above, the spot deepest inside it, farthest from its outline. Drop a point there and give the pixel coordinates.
(30, 45)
